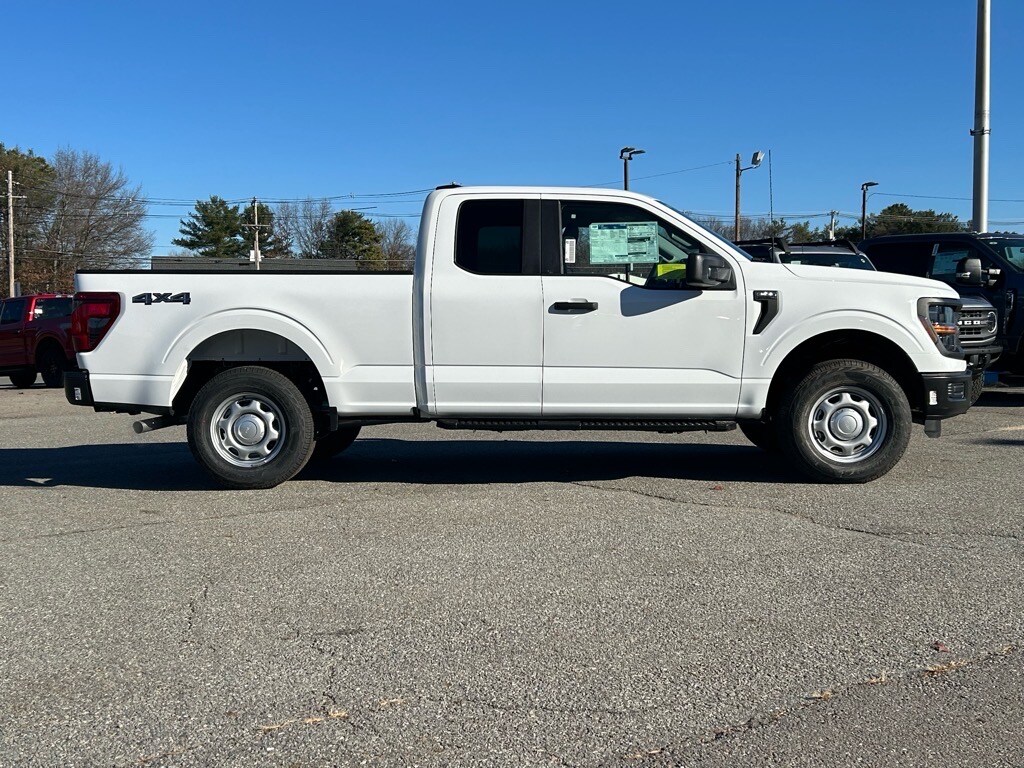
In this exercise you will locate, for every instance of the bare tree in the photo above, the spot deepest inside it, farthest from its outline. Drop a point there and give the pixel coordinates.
(95, 221)
(302, 228)
(396, 243)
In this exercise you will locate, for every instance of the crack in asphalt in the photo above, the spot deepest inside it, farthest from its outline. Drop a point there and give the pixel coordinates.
(768, 718)
(898, 537)
(193, 611)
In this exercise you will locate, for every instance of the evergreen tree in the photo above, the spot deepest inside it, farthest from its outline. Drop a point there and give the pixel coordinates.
(350, 235)
(214, 230)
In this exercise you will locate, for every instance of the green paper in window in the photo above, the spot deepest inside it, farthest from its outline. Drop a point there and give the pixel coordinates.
(627, 242)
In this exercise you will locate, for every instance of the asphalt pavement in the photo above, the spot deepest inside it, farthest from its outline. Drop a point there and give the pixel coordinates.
(440, 598)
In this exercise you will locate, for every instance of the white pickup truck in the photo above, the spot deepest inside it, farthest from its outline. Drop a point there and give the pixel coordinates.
(529, 308)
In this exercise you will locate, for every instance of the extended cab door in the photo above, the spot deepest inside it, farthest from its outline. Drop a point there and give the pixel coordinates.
(484, 350)
(623, 334)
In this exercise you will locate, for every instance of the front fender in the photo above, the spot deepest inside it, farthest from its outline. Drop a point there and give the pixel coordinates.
(767, 358)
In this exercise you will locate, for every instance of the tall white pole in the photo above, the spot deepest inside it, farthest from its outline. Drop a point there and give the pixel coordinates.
(981, 118)
(256, 229)
(10, 233)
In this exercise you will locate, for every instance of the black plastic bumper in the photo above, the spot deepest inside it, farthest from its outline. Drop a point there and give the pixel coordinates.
(945, 394)
(979, 358)
(77, 389)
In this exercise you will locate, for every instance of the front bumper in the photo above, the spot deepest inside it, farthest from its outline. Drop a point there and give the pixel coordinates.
(77, 389)
(945, 394)
(979, 358)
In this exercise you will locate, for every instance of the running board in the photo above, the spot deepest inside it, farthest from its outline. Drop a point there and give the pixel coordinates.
(633, 425)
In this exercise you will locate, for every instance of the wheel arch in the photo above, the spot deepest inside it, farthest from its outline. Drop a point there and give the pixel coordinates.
(245, 346)
(868, 346)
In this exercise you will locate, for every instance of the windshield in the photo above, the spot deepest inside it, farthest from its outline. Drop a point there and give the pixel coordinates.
(708, 232)
(1010, 249)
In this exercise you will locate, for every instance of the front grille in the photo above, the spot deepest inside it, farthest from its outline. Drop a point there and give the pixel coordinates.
(977, 326)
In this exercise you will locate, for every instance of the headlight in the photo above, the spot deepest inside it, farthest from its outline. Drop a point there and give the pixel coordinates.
(941, 320)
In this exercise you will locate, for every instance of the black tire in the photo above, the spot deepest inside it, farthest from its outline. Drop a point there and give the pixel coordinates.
(846, 421)
(763, 434)
(977, 386)
(250, 427)
(51, 364)
(334, 442)
(24, 378)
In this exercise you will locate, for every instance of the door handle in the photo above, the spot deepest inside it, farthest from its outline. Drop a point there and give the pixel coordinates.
(574, 307)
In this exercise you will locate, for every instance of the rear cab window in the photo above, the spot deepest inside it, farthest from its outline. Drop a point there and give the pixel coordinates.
(489, 237)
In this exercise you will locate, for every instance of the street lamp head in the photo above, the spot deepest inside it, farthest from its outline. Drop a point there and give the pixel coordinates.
(867, 184)
(625, 151)
(756, 159)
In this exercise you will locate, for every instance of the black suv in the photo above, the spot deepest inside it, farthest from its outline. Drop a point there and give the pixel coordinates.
(990, 266)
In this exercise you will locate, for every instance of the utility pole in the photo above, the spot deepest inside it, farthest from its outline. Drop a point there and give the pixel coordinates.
(256, 230)
(981, 118)
(10, 233)
(832, 216)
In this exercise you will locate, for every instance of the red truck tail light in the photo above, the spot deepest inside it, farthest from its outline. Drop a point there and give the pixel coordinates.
(92, 317)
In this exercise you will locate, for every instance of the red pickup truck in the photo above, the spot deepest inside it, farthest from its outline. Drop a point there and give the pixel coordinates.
(35, 338)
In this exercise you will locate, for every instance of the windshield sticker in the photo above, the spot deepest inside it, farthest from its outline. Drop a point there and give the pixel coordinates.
(628, 242)
(570, 250)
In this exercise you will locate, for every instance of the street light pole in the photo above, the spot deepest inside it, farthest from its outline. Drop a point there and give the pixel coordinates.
(754, 162)
(625, 155)
(864, 207)
(981, 119)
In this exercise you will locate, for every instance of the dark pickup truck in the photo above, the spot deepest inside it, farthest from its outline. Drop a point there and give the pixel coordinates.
(35, 338)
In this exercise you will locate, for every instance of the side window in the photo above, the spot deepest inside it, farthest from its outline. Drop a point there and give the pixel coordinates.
(489, 237)
(903, 258)
(12, 311)
(624, 242)
(947, 256)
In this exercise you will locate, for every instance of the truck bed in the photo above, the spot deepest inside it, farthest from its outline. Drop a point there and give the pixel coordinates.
(355, 326)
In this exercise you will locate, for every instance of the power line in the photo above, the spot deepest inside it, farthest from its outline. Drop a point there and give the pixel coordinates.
(657, 175)
(942, 197)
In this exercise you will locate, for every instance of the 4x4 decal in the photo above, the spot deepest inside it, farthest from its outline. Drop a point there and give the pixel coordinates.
(162, 298)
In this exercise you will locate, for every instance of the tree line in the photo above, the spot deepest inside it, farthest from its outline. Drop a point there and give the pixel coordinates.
(895, 219)
(72, 211)
(307, 229)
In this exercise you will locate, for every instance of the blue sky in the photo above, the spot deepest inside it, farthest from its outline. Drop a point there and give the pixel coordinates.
(289, 100)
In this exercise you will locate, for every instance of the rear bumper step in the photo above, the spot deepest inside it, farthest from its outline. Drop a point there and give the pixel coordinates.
(633, 425)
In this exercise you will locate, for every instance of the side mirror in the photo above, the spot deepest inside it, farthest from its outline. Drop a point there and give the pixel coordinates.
(708, 270)
(968, 272)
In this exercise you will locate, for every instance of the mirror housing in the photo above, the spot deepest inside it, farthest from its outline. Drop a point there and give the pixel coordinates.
(968, 271)
(708, 270)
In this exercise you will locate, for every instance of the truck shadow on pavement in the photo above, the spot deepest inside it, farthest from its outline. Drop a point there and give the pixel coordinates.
(170, 466)
(998, 398)
(469, 462)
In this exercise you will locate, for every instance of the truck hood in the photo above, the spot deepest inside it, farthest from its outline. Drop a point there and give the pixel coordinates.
(841, 276)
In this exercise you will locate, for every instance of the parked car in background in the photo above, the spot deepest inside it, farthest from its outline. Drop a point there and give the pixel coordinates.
(988, 265)
(827, 253)
(977, 319)
(35, 338)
